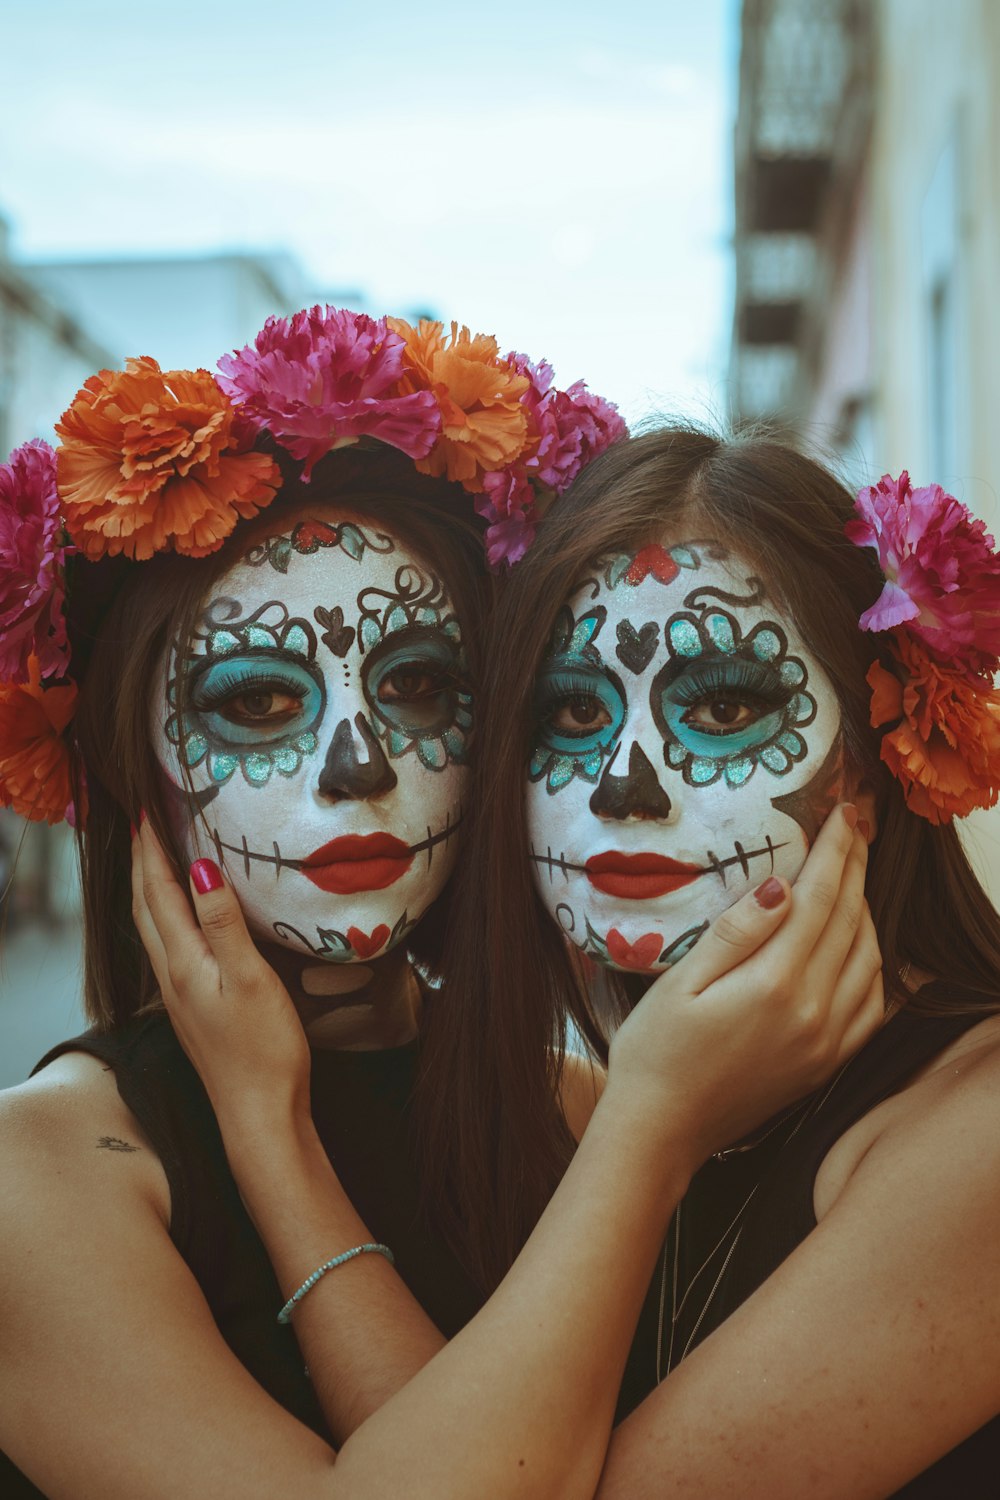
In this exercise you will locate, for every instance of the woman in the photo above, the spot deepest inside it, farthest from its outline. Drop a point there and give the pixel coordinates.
(305, 679)
(699, 689)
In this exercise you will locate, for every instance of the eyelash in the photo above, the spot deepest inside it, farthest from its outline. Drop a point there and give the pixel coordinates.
(733, 681)
(567, 684)
(235, 684)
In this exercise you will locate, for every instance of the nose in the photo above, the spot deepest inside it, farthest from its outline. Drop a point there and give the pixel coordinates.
(345, 774)
(637, 794)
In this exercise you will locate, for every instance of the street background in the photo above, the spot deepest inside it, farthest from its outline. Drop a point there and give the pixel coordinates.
(781, 210)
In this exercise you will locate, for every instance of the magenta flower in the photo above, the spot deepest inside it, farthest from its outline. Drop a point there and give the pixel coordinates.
(31, 566)
(574, 426)
(323, 379)
(942, 574)
(508, 505)
(508, 540)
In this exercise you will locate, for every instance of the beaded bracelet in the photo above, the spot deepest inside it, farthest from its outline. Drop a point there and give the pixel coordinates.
(285, 1315)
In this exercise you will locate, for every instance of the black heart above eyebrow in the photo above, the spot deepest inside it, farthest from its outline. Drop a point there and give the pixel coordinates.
(636, 648)
(336, 634)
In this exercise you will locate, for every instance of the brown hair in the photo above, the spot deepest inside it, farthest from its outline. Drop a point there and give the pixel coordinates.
(122, 617)
(787, 513)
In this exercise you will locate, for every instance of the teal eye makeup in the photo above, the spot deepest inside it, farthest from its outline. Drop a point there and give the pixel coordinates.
(415, 685)
(247, 700)
(579, 713)
(723, 714)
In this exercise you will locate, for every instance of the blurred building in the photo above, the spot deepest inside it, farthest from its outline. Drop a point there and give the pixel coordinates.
(868, 231)
(184, 310)
(867, 171)
(45, 354)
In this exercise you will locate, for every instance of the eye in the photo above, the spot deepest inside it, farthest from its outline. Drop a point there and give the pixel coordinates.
(723, 715)
(413, 681)
(244, 700)
(724, 697)
(575, 704)
(261, 705)
(583, 713)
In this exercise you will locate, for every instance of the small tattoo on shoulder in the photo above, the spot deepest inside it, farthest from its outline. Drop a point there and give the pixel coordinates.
(114, 1143)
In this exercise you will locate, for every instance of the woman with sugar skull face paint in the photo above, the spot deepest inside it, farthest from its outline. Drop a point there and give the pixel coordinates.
(699, 695)
(294, 708)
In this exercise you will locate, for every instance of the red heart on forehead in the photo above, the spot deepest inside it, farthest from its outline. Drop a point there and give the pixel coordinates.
(652, 559)
(366, 945)
(642, 954)
(309, 535)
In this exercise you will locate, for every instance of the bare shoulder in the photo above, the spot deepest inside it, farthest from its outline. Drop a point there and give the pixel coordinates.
(948, 1114)
(581, 1085)
(67, 1135)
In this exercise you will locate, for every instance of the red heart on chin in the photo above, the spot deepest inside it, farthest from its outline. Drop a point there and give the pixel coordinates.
(642, 954)
(366, 945)
(652, 559)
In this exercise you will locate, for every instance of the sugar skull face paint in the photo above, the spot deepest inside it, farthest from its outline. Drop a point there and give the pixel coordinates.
(324, 731)
(687, 746)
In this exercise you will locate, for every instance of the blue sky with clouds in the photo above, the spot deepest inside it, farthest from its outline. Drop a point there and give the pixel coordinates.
(557, 173)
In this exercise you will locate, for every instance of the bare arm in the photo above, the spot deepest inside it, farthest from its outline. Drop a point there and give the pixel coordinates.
(510, 1368)
(873, 1350)
(116, 1382)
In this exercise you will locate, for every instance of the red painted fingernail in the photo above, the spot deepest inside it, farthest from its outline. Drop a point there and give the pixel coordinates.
(864, 828)
(142, 816)
(770, 894)
(206, 876)
(850, 814)
(132, 830)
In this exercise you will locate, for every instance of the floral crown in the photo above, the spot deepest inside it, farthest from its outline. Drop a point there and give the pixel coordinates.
(158, 460)
(940, 615)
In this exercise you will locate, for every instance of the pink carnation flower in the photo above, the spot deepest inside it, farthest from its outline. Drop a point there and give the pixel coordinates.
(573, 426)
(31, 566)
(508, 540)
(323, 379)
(508, 505)
(942, 573)
(570, 429)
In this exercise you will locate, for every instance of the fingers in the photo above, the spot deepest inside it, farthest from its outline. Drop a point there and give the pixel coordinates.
(858, 1003)
(847, 915)
(735, 935)
(222, 922)
(143, 919)
(818, 884)
(184, 949)
(866, 1020)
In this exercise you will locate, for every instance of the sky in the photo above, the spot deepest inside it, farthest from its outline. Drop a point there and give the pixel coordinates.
(557, 172)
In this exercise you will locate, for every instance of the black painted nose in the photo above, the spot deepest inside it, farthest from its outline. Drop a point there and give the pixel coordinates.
(637, 794)
(344, 775)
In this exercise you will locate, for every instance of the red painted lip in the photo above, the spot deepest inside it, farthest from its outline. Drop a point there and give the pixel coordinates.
(638, 877)
(358, 862)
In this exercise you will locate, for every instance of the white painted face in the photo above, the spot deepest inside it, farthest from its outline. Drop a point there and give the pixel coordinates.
(688, 746)
(325, 734)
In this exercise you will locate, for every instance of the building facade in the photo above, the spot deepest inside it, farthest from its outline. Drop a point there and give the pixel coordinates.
(868, 245)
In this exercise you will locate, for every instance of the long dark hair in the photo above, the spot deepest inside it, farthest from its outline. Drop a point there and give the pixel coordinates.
(122, 616)
(787, 513)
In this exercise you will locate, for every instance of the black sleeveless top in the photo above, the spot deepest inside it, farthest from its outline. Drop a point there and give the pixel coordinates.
(781, 1173)
(361, 1104)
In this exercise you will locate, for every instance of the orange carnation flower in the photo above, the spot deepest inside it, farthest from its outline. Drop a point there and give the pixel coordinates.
(150, 459)
(483, 424)
(34, 753)
(946, 748)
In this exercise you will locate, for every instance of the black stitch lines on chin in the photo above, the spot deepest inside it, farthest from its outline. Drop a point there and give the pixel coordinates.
(713, 864)
(249, 857)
